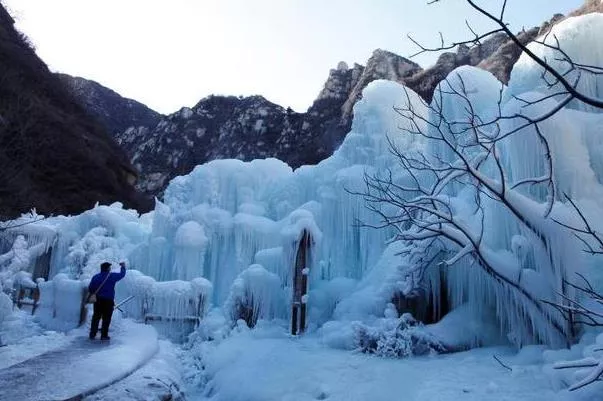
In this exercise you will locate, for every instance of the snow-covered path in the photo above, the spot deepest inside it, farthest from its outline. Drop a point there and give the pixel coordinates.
(81, 367)
(285, 369)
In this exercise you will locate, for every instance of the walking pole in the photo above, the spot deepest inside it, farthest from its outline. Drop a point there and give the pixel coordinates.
(123, 302)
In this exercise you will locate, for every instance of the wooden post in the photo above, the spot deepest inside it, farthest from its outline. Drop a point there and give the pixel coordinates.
(20, 296)
(36, 299)
(294, 318)
(300, 284)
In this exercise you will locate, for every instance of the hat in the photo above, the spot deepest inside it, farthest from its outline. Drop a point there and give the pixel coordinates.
(105, 266)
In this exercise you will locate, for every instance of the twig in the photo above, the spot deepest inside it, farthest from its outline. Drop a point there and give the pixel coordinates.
(501, 363)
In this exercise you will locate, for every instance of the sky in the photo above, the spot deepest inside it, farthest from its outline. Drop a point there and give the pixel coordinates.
(171, 53)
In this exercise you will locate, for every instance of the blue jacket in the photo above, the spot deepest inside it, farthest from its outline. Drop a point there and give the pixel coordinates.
(107, 291)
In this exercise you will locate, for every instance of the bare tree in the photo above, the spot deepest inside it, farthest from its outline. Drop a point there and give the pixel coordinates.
(585, 314)
(422, 206)
(424, 214)
(566, 79)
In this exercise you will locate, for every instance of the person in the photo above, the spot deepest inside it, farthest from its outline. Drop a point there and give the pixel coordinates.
(103, 285)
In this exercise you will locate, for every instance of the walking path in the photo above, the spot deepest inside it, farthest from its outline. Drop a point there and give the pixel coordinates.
(80, 368)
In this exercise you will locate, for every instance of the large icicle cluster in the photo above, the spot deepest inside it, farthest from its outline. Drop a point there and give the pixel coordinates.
(237, 224)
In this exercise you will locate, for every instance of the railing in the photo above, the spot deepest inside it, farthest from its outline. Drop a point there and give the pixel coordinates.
(173, 305)
(26, 296)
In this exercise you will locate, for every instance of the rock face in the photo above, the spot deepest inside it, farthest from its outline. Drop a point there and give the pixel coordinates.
(589, 6)
(53, 156)
(114, 112)
(217, 127)
(381, 65)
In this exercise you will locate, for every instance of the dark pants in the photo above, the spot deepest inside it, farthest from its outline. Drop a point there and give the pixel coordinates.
(103, 309)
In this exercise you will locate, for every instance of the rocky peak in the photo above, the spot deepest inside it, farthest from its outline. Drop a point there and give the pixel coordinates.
(589, 6)
(548, 24)
(381, 65)
(387, 65)
(340, 82)
(342, 66)
(501, 61)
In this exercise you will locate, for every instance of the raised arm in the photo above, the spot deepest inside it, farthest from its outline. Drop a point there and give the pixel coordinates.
(122, 272)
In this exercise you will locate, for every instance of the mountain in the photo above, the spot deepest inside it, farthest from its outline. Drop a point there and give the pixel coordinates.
(113, 111)
(53, 155)
(252, 127)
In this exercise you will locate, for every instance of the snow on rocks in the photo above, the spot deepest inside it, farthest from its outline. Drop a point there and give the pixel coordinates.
(580, 368)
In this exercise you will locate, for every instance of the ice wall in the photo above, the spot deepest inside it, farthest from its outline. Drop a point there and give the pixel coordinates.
(227, 215)
(579, 38)
(255, 212)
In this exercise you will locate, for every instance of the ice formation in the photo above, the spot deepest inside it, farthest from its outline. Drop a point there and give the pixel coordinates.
(61, 302)
(227, 233)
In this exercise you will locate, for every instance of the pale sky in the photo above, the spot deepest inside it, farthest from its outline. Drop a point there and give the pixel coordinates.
(171, 53)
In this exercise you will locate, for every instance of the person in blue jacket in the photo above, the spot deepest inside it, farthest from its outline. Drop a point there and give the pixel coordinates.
(103, 285)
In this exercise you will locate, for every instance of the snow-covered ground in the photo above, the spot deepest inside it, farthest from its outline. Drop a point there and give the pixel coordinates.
(267, 365)
(159, 379)
(31, 367)
(22, 338)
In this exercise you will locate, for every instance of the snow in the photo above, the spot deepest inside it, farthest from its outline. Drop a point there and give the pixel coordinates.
(174, 307)
(462, 329)
(160, 378)
(22, 338)
(255, 294)
(302, 369)
(33, 361)
(13, 262)
(579, 38)
(6, 306)
(190, 235)
(82, 367)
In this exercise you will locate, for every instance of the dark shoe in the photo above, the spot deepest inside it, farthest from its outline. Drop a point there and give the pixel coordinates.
(105, 338)
(92, 337)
